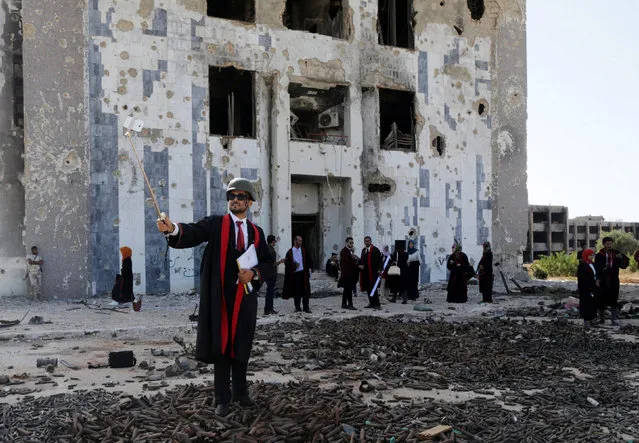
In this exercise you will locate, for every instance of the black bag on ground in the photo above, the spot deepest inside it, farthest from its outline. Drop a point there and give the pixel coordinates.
(122, 359)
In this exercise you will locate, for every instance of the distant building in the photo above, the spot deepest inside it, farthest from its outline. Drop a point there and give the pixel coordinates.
(588, 229)
(550, 230)
(547, 231)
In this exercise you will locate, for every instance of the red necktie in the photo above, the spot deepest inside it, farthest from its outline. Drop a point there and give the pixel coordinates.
(240, 236)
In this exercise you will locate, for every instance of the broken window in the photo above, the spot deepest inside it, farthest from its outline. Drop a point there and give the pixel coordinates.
(231, 102)
(241, 10)
(477, 8)
(396, 23)
(324, 17)
(397, 128)
(557, 217)
(317, 113)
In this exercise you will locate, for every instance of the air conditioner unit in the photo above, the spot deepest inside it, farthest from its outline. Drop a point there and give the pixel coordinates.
(328, 119)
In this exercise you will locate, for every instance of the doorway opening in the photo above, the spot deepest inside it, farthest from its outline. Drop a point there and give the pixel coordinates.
(308, 226)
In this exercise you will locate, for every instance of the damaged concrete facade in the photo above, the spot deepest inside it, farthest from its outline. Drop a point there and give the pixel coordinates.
(342, 134)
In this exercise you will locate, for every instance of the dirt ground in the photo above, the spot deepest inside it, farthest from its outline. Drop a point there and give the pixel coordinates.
(81, 334)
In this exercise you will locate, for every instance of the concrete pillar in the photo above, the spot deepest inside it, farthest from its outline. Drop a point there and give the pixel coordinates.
(353, 189)
(57, 143)
(509, 92)
(12, 249)
(280, 170)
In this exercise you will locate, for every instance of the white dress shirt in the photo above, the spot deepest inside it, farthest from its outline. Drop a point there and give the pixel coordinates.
(297, 256)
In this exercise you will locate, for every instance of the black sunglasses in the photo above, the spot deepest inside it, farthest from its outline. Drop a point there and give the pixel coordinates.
(240, 197)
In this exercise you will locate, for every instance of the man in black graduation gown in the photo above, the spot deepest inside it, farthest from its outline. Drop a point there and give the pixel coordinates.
(608, 261)
(371, 264)
(226, 339)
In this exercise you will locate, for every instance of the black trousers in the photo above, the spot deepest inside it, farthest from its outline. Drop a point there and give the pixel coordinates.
(223, 370)
(300, 295)
(347, 293)
(373, 299)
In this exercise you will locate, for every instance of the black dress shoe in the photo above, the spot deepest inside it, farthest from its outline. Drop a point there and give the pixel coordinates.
(369, 306)
(245, 400)
(308, 311)
(273, 312)
(352, 308)
(222, 410)
(298, 310)
(344, 307)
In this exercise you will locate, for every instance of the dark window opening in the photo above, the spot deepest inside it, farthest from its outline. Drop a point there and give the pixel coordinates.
(397, 128)
(540, 237)
(581, 229)
(593, 243)
(477, 8)
(540, 217)
(396, 23)
(605, 229)
(557, 217)
(379, 187)
(18, 92)
(241, 10)
(231, 102)
(317, 114)
(557, 237)
(438, 145)
(324, 17)
(593, 230)
(571, 229)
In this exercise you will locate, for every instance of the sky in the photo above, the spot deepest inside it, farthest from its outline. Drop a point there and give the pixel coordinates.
(583, 106)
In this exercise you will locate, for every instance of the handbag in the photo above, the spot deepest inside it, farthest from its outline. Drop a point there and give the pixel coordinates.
(394, 270)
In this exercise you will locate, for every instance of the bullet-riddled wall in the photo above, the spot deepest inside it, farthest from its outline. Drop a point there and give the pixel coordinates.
(428, 138)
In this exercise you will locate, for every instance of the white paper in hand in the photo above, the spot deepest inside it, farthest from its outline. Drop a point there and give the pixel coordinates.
(248, 260)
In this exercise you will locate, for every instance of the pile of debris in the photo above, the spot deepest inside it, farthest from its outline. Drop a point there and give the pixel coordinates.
(373, 379)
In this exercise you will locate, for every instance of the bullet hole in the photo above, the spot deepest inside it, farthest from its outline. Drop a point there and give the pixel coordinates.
(482, 107)
(379, 187)
(136, 109)
(459, 30)
(477, 8)
(438, 145)
(125, 107)
(441, 3)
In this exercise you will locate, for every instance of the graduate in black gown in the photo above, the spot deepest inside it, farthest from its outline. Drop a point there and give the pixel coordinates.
(458, 279)
(588, 288)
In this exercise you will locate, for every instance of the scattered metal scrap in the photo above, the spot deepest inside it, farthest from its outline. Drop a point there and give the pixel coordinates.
(9, 323)
(517, 378)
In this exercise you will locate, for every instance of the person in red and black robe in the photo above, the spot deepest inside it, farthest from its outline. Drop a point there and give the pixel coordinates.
(458, 266)
(228, 310)
(297, 275)
(608, 261)
(371, 263)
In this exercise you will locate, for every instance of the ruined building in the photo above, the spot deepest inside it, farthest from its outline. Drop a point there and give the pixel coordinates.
(378, 117)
